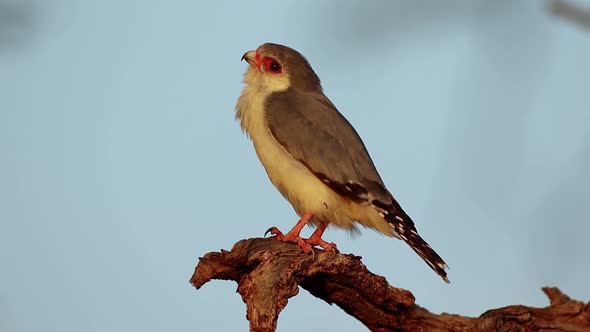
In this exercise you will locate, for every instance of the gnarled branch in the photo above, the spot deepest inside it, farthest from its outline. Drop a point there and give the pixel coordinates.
(268, 273)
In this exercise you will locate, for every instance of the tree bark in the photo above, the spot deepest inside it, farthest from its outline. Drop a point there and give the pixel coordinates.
(268, 273)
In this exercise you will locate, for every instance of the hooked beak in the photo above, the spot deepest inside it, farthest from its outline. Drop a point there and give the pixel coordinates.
(250, 58)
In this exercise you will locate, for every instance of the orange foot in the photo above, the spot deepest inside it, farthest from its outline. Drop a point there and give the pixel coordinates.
(293, 235)
(316, 240)
(305, 244)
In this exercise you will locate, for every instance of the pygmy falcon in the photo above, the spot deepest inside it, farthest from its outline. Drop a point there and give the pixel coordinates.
(314, 156)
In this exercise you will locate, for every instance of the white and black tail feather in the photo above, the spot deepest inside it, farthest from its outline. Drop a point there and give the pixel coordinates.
(405, 229)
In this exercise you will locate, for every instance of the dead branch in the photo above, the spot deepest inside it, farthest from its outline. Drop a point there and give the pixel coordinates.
(571, 12)
(268, 273)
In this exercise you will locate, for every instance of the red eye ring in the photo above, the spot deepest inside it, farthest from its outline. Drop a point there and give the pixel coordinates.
(272, 65)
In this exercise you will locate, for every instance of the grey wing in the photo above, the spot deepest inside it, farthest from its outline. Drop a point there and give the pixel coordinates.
(312, 130)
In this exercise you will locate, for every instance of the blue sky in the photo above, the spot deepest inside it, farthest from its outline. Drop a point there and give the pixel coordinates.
(121, 161)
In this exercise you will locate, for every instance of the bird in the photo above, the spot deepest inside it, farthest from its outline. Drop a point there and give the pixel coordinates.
(314, 156)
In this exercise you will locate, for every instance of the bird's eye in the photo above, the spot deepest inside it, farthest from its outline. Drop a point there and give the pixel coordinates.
(272, 65)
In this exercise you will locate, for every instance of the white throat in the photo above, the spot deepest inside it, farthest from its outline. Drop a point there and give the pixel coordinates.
(250, 106)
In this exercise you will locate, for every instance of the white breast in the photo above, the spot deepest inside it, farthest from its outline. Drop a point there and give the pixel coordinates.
(295, 182)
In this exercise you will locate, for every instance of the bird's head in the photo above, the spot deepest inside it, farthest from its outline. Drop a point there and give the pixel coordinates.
(275, 68)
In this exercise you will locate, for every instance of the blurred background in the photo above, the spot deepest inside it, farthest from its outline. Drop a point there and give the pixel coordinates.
(121, 162)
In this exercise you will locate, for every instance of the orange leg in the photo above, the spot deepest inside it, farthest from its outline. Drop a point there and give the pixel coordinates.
(293, 235)
(316, 239)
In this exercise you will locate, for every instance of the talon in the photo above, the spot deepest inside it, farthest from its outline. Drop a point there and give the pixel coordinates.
(273, 231)
(301, 243)
(331, 247)
(327, 246)
(336, 252)
(293, 235)
(316, 240)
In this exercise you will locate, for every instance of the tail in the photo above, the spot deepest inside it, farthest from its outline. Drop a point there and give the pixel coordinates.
(405, 229)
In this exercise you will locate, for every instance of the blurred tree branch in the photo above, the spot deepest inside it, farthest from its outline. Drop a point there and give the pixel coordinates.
(15, 23)
(268, 273)
(571, 12)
